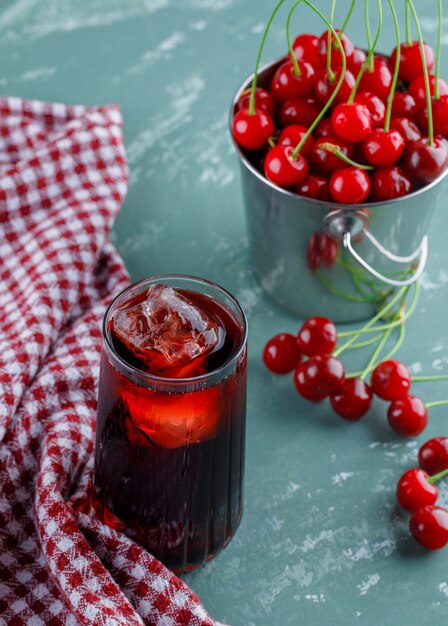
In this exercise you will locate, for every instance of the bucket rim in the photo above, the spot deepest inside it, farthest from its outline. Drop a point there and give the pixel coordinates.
(311, 201)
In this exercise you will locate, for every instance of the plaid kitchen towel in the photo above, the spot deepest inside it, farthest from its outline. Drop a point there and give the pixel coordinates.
(63, 176)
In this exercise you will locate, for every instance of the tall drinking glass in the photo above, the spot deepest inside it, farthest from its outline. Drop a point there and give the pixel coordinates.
(169, 458)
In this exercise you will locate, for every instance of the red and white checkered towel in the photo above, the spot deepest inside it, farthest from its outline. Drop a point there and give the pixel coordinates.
(63, 176)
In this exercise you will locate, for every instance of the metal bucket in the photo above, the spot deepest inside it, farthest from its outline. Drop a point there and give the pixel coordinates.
(324, 258)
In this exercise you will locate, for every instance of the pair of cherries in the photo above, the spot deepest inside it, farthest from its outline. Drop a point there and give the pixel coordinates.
(321, 375)
(417, 493)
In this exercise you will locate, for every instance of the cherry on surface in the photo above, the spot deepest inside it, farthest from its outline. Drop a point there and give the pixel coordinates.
(414, 491)
(326, 162)
(375, 105)
(318, 335)
(391, 380)
(378, 80)
(350, 185)
(292, 135)
(263, 100)
(352, 400)
(351, 122)
(252, 131)
(433, 455)
(286, 84)
(429, 527)
(299, 111)
(282, 169)
(383, 147)
(336, 57)
(324, 374)
(314, 186)
(302, 387)
(406, 127)
(281, 354)
(388, 183)
(408, 417)
(411, 64)
(439, 116)
(404, 105)
(305, 49)
(423, 162)
(417, 88)
(325, 85)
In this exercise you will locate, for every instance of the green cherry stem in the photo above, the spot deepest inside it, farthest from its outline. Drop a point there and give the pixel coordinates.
(257, 62)
(370, 57)
(435, 477)
(371, 48)
(367, 342)
(331, 74)
(336, 89)
(438, 51)
(393, 86)
(347, 19)
(367, 328)
(294, 61)
(372, 361)
(424, 379)
(425, 73)
(432, 405)
(331, 147)
(408, 26)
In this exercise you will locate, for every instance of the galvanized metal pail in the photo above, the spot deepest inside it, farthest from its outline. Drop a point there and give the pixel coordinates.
(324, 258)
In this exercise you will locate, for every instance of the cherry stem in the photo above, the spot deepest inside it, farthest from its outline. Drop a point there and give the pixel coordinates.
(347, 19)
(367, 327)
(424, 379)
(370, 54)
(257, 62)
(435, 477)
(331, 74)
(294, 61)
(408, 26)
(425, 73)
(372, 361)
(336, 89)
(366, 343)
(371, 48)
(432, 405)
(393, 86)
(438, 51)
(330, 147)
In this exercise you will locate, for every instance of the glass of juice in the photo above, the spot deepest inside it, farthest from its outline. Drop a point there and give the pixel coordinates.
(169, 457)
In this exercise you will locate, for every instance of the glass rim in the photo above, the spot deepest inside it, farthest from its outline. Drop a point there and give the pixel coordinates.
(134, 373)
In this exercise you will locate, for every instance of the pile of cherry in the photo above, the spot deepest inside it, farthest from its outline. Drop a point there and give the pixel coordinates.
(359, 151)
(318, 375)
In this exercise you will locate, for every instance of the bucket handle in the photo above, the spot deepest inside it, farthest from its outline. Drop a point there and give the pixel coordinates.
(346, 226)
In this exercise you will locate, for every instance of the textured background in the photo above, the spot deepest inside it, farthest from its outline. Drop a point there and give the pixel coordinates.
(321, 541)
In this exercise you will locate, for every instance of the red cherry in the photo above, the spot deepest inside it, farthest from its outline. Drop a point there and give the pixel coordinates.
(286, 84)
(352, 400)
(423, 162)
(324, 128)
(321, 250)
(411, 60)
(305, 49)
(439, 116)
(299, 111)
(407, 129)
(252, 131)
(302, 387)
(314, 186)
(375, 105)
(282, 169)
(378, 80)
(408, 416)
(356, 61)
(429, 526)
(388, 183)
(350, 186)
(391, 380)
(351, 122)
(336, 57)
(383, 147)
(292, 135)
(433, 455)
(281, 354)
(324, 87)
(404, 105)
(318, 335)
(417, 88)
(324, 374)
(326, 162)
(263, 100)
(414, 491)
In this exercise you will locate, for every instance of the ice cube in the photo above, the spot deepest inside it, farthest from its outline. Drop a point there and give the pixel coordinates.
(167, 330)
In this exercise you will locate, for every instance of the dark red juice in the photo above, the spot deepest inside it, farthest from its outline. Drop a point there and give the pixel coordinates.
(170, 444)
